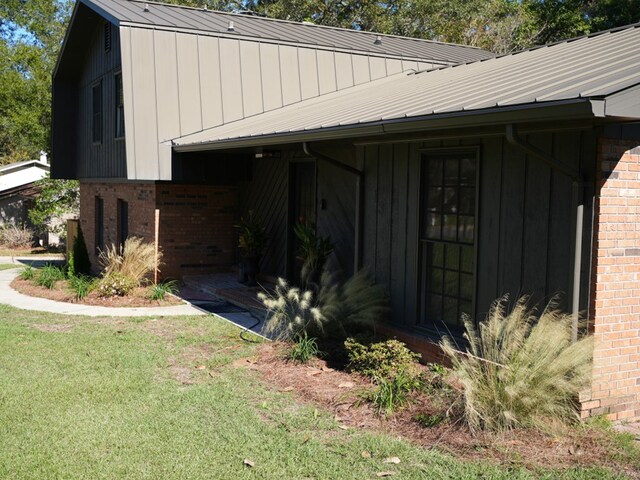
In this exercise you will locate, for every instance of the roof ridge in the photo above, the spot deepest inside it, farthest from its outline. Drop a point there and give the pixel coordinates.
(537, 47)
(328, 27)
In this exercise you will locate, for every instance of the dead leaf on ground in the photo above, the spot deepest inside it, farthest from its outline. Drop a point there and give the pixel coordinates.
(288, 389)
(249, 463)
(343, 427)
(200, 367)
(395, 460)
(365, 454)
(313, 372)
(346, 385)
(327, 369)
(385, 474)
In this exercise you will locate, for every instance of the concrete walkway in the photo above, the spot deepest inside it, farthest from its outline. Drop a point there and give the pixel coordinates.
(9, 296)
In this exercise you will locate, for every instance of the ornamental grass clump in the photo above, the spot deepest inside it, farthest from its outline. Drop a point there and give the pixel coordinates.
(135, 262)
(294, 313)
(521, 370)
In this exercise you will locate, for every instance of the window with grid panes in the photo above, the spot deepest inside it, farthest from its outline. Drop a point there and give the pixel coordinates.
(447, 237)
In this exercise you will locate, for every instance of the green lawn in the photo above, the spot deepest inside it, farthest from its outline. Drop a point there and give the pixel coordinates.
(7, 266)
(113, 398)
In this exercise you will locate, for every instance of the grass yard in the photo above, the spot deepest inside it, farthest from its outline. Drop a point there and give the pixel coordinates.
(7, 266)
(168, 398)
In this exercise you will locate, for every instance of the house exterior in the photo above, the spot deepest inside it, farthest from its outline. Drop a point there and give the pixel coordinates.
(452, 176)
(18, 191)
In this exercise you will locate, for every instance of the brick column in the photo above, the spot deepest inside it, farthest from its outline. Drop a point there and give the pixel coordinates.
(615, 284)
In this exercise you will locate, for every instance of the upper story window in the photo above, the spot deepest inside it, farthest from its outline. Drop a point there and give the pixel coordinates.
(119, 106)
(96, 112)
(107, 37)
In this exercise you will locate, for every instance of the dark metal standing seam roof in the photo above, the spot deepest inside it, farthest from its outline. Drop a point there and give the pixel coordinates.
(589, 67)
(132, 12)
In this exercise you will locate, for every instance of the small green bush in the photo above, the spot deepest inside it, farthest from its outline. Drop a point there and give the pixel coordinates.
(81, 286)
(158, 291)
(520, 370)
(48, 275)
(304, 349)
(27, 273)
(80, 256)
(381, 360)
(115, 284)
(429, 420)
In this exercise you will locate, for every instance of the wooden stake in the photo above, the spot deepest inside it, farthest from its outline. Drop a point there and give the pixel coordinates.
(157, 234)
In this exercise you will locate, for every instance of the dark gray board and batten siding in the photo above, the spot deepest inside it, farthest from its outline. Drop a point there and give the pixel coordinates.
(525, 221)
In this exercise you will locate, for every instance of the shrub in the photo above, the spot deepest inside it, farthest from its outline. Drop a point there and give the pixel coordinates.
(293, 312)
(158, 291)
(314, 251)
(27, 273)
(115, 284)
(519, 370)
(135, 262)
(304, 349)
(81, 286)
(80, 256)
(429, 420)
(353, 306)
(13, 236)
(48, 275)
(381, 360)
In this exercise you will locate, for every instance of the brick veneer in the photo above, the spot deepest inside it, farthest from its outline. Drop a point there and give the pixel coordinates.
(615, 296)
(196, 222)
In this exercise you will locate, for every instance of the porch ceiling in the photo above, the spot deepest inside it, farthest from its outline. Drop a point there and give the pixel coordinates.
(571, 79)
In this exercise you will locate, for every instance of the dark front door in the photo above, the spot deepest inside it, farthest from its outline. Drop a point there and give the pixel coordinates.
(302, 207)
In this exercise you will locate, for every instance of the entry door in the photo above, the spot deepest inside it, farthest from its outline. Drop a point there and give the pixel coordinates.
(302, 207)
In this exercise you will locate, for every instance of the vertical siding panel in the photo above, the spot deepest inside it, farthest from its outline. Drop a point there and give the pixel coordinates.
(511, 220)
(231, 79)
(129, 113)
(393, 66)
(377, 67)
(361, 72)
(290, 75)
(412, 250)
(385, 185)
(144, 86)
(344, 70)
(370, 208)
(326, 72)
(488, 235)
(536, 221)
(167, 86)
(251, 78)
(188, 83)
(399, 230)
(211, 90)
(309, 86)
(271, 84)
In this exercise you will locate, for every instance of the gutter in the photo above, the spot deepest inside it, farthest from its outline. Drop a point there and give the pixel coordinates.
(359, 174)
(577, 179)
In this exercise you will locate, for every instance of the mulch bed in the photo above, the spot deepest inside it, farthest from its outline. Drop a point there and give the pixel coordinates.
(61, 293)
(341, 393)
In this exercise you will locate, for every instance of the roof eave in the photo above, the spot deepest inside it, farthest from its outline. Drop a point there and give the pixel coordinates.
(566, 110)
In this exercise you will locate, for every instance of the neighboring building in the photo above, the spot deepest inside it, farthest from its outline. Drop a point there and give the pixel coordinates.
(18, 190)
(454, 177)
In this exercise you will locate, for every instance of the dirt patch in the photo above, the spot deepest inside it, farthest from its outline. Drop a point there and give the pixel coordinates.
(54, 328)
(62, 293)
(341, 393)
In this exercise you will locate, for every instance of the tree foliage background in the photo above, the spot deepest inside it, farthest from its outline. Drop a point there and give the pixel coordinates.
(31, 32)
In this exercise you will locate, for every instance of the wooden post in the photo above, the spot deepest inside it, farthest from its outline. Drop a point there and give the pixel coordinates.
(157, 234)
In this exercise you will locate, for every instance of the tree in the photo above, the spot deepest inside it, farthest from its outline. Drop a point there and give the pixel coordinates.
(56, 199)
(31, 33)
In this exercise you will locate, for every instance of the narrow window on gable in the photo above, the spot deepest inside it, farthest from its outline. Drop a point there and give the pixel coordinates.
(107, 37)
(119, 107)
(96, 94)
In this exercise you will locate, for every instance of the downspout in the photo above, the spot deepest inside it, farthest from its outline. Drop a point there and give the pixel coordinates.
(577, 180)
(359, 197)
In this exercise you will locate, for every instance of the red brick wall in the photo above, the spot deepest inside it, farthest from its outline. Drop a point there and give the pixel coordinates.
(196, 222)
(196, 228)
(141, 199)
(615, 296)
